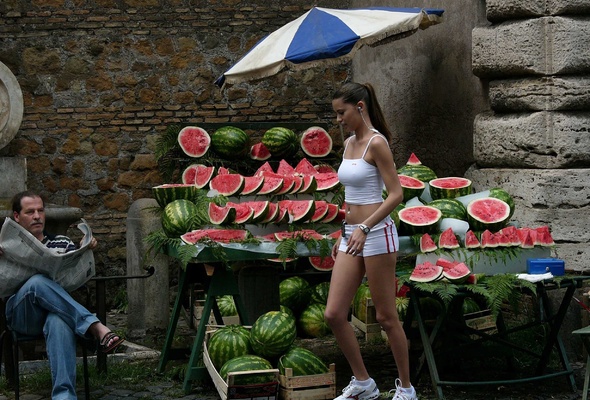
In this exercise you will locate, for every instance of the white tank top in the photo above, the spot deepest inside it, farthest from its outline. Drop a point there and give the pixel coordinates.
(362, 181)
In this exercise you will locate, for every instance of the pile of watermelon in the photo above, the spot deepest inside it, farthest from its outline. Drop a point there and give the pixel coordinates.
(268, 344)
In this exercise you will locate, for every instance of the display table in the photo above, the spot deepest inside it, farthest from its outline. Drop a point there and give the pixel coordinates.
(446, 325)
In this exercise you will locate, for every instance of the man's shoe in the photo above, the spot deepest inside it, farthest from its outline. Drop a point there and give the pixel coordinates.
(356, 392)
(400, 394)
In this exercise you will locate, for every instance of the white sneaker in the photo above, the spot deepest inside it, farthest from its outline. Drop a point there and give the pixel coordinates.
(357, 392)
(400, 394)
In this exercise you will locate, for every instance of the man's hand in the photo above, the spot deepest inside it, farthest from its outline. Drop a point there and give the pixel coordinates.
(93, 243)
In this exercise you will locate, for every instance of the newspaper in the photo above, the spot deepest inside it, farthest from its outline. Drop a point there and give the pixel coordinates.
(24, 256)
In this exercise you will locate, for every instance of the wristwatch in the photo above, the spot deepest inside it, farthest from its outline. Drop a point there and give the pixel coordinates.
(364, 228)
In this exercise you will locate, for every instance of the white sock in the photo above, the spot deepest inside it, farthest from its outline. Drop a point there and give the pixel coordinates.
(364, 383)
(409, 390)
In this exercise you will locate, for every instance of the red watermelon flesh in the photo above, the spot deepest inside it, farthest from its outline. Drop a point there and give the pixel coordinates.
(446, 264)
(302, 234)
(194, 141)
(322, 263)
(316, 142)
(488, 239)
(304, 167)
(219, 215)
(427, 244)
(448, 240)
(321, 209)
(511, 234)
(413, 160)
(271, 185)
(426, 272)
(299, 210)
(244, 213)
(544, 237)
(336, 234)
(252, 184)
(419, 219)
(269, 236)
(331, 214)
(259, 152)
(285, 168)
(528, 237)
(471, 241)
(324, 168)
(260, 208)
(266, 167)
(282, 215)
(223, 171)
(218, 235)
(198, 174)
(326, 180)
(502, 239)
(457, 273)
(227, 184)
(488, 213)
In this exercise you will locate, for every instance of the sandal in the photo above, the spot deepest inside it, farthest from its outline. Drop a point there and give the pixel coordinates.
(108, 342)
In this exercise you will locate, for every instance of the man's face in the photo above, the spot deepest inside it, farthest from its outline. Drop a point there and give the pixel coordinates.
(32, 216)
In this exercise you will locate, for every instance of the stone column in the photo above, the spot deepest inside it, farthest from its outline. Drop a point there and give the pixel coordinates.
(535, 142)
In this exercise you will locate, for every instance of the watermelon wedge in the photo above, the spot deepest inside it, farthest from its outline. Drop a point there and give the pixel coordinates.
(218, 235)
(488, 240)
(331, 214)
(322, 263)
(227, 184)
(260, 208)
(298, 210)
(304, 167)
(321, 209)
(259, 152)
(457, 273)
(271, 213)
(426, 272)
(326, 180)
(219, 215)
(244, 213)
(252, 185)
(471, 241)
(448, 240)
(302, 234)
(427, 244)
(198, 174)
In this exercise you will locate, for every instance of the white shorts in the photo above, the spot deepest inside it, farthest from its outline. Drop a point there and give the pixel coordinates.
(382, 239)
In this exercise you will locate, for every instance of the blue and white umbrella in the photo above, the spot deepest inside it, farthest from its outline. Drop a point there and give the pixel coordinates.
(325, 34)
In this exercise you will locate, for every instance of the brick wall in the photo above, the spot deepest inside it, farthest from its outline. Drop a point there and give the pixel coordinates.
(101, 79)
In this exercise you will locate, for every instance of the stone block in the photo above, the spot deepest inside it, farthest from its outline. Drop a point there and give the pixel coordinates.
(502, 10)
(543, 139)
(13, 176)
(557, 198)
(542, 46)
(551, 93)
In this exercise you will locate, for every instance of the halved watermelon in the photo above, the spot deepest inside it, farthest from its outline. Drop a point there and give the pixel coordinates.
(426, 272)
(450, 187)
(194, 141)
(427, 244)
(419, 219)
(304, 167)
(448, 240)
(259, 152)
(411, 187)
(198, 174)
(322, 263)
(488, 213)
(316, 142)
(219, 215)
(227, 184)
(252, 185)
(218, 235)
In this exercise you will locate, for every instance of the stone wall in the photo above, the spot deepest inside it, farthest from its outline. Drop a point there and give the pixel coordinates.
(101, 79)
(535, 142)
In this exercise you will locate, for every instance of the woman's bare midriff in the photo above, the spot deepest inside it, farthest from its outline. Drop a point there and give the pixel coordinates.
(357, 214)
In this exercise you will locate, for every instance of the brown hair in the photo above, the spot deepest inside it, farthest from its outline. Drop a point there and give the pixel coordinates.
(353, 92)
(17, 200)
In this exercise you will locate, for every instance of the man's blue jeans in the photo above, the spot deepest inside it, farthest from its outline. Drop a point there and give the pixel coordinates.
(42, 306)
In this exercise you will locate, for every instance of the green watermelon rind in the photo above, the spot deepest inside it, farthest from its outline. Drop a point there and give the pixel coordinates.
(359, 302)
(281, 142)
(450, 208)
(319, 293)
(411, 187)
(227, 343)
(221, 215)
(177, 218)
(302, 362)
(312, 322)
(227, 307)
(248, 362)
(230, 142)
(272, 334)
(294, 292)
(419, 171)
(168, 192)
(499, 193)
(458, 273)
(426, 272)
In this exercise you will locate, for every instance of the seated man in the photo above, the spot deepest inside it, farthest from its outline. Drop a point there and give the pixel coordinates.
(43, 306)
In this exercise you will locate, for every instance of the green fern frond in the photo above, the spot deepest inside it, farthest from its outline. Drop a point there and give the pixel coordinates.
(167, 141)
(287, 248)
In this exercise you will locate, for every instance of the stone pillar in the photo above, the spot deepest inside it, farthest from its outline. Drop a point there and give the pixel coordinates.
(535, 142)
(148, 298)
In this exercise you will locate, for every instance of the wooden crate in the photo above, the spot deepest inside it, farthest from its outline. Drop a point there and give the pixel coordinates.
(371, 328)
(228, 390)
(482, 321)
(308, 387)
(198, 307)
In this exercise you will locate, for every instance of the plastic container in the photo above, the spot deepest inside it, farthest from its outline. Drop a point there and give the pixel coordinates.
(544, 265)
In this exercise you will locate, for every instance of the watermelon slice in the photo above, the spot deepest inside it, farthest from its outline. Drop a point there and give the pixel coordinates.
(426, 272)
(445, 264)
(271, 213)
(411, 187)
(252, 185)
(324, 168)
(322, 263)
(316, 142)
(308, 184)
(304, 167)
(471, 241)
(260, 208)
(457, 273)
(331, 214)
(219, 215)
(511, 233)
(297, 184)
(218, 235)
(302, 234)
(528, 237)
(336, 234)
(448, 188)
(488, 213)
(413, 160)
(544, 237)
(227, 184)
(321, 209)
(271, 185)
(194, 141)
(448, 240)
(282, 215)
(326, 180)
(198, 174)
(298, 210)
(285, 168)
(488, 240)
(259, 152)
(419, 219)
(244, 213)
(427, 244)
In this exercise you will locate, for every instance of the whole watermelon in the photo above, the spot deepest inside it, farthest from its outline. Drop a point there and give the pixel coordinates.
(302, 362)
(312, 321)
(178, 217)
(295, 293)
(227, 343)
(281, 142)
(248, 362)
(450, 208)
(272, 334)
(359, 302)
(227, 306)
(319, 293)
(230, 142)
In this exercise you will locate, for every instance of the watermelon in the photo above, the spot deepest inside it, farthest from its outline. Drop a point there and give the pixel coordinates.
(169, 192)
(259, 152)
(198, 175)
(499, 193)
(312, 322)
(446, 264)
(331, 213)
(297, 184)
(260, 209)
(227, 184)
(321, 209)
(426, 272)
(458, 273)
(416, 169)
(248, 362)
(281, 142)
(299, 234)
(252, 185)
(294, 292)
(218, 235)
(511, 233)
(395, 215)
(448, 240)
(448, 188)
(322, 263)
(271, 214)
(359, 302)
(326, 180)
(285, 168)
(304, 167)
(244, 213)
(228, 342)
(450, 208)
(316, 142)
(219, 215)
(419, 219)
(230, 142)
(527, 237)
(194, 141)
(319, 293)
(544, 237)
(227, 307)
(302, 362)
(178, 217)
(411, 187)
(287, 311)
(271, 186)
(488, 240)
(471, 241)
(298, 210)
(324, 168)
(308, 184)
(488, 213)
(272, 334)
(427, 244)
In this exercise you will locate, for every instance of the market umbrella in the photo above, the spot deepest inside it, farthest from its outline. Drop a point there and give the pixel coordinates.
(325, 35)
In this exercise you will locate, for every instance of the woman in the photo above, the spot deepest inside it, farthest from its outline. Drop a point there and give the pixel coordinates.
(369, 242)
